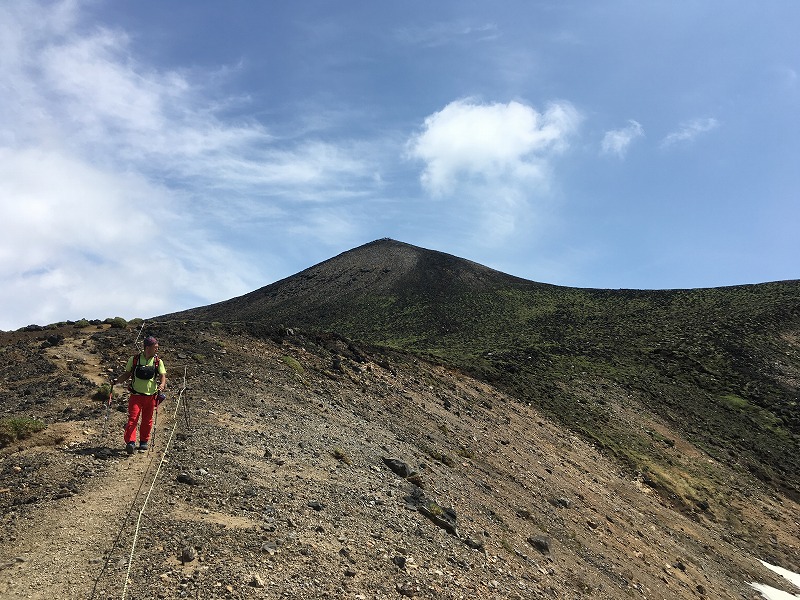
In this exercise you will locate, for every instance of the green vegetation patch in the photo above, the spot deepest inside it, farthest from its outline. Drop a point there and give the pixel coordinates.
(294, 364)
(465, 452)
(117, 323)
(341, 455)
(736, 402)
(18, 428)
(103, 392)
(438, 456)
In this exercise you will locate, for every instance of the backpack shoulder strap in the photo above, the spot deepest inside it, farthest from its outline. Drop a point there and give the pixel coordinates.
(133, 372)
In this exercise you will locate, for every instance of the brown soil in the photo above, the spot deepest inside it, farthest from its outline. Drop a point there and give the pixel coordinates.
(267, 479)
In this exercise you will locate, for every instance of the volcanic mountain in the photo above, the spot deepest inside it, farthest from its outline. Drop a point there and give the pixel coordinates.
(397, 422)
(721, 365)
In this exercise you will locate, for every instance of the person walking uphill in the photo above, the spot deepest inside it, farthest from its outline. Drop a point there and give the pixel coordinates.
(148, 377)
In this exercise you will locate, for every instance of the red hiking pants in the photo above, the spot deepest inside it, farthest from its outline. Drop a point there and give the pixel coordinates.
(144, 406)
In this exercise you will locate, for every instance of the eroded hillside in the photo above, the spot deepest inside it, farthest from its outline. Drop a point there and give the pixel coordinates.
(299, 465)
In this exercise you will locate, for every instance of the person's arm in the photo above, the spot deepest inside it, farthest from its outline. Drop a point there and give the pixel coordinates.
(127, 374)
(162, 372)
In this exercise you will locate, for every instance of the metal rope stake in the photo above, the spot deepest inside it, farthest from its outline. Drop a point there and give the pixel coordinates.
(150, 491)
(141, 329)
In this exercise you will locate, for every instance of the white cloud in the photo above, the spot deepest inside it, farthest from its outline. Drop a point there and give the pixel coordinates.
(496, 156)
(81, 242)
(617, 141)
(160, 118)
(87, 94)
(117, 176)
(490, 141)
(689, 131)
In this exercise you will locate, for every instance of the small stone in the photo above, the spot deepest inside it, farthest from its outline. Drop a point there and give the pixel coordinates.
(406, 589)
(416, 479)
(476, 542)
(345, 552)
(541, 543)
(269, 547)
(186, 478)
(256, 581)
(561, 502)
(188, 554)
(397, 466)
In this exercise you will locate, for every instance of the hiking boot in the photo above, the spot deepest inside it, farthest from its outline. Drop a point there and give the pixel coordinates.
(129, 448)
(142, 446)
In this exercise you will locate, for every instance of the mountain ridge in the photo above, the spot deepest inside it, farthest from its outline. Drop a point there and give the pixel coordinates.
(383, 257)
(723, 364)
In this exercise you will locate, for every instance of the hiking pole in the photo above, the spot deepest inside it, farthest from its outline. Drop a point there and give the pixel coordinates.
(160, 397)
(108, 407)
(155, 428)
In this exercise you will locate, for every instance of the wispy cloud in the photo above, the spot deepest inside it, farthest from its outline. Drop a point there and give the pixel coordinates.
(617, 141)
(689, 131)
(498, 154)
(118, 171)
(441, 34)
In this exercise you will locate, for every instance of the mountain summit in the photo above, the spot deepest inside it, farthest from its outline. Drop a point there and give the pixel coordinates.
(397, 273)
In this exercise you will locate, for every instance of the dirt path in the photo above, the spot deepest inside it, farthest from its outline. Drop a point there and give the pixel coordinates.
(80, 547)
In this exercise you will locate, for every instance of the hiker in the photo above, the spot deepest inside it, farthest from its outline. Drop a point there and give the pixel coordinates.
(148, 377)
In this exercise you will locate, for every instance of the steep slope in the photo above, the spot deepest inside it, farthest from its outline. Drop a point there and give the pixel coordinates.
(721, 366)
(269, 477)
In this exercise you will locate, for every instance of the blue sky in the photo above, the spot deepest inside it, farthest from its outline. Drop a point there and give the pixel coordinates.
(157, 156)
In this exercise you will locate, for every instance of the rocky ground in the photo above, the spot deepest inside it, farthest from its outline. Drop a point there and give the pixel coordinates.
(297, 467)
